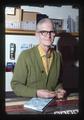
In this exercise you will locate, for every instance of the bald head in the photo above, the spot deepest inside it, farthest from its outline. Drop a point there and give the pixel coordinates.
(42, 21)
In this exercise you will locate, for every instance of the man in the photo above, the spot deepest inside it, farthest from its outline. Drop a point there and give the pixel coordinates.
(32, 75)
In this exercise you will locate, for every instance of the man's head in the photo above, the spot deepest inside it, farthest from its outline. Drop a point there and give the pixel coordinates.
(45, 31)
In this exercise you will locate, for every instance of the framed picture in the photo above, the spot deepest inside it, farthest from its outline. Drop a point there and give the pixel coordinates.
(58, 24)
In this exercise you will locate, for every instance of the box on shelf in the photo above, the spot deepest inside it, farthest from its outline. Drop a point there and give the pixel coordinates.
(16, 17)
(24, 20)
(32, 16)
(13, 25)
(13, 20)
(30, 19)
(29, 16)
(28, 25)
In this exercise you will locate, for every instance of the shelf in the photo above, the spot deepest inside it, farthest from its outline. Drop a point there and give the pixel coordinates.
(76, 34)
(20, 32)
(30, 32)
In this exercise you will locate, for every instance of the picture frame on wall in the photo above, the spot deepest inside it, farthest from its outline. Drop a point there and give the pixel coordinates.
(58, 24)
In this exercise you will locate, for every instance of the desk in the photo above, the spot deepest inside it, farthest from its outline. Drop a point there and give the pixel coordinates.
(15, 106)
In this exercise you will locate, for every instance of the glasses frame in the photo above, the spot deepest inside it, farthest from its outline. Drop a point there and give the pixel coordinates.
(45, 33)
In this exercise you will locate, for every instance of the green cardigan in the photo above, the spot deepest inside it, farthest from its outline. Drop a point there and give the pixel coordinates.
(29, 74)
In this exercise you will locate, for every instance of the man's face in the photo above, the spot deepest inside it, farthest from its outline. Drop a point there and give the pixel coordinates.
(46, 34)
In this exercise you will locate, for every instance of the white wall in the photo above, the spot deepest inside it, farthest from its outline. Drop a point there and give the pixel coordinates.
(52, 12)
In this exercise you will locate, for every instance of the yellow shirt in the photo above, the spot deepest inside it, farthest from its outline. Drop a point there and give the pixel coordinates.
(46, 60)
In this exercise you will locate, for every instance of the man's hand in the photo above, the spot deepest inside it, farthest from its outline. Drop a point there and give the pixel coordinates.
(45, 93)
(60, 93)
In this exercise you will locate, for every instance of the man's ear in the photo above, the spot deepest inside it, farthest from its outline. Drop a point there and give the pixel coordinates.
(36, 34)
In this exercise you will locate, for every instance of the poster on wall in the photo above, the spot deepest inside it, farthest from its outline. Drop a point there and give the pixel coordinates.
(15, 47)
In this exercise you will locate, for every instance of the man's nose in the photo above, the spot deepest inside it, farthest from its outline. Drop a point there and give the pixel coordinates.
(49, 34)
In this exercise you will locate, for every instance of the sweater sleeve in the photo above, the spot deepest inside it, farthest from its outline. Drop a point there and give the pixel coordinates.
(19, 79)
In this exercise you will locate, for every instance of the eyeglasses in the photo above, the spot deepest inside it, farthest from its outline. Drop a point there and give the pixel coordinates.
(45, 33)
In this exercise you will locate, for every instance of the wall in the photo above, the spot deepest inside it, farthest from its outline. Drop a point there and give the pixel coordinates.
(52, 12)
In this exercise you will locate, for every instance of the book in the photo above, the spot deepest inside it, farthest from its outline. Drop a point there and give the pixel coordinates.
(37, 104)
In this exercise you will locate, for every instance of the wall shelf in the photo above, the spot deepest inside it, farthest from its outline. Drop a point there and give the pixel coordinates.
(19, 32)
(30, 32)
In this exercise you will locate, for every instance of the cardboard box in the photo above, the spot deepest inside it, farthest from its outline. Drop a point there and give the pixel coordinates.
(29, 16)
(29, 20)
(13, 25)
(28, 25)
(16, 17)
(24, 20)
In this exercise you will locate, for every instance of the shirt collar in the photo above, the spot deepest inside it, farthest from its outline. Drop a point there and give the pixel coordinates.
(42, 52)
